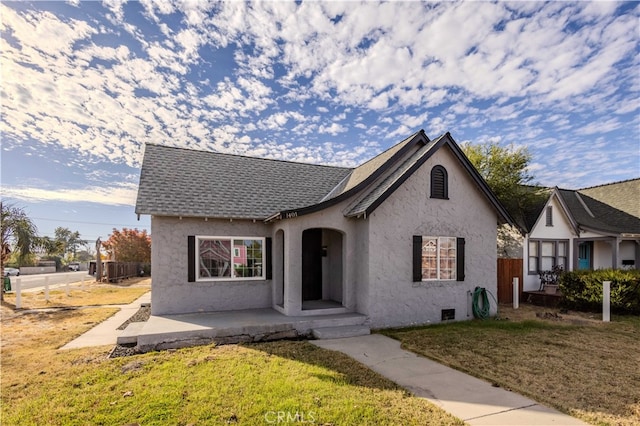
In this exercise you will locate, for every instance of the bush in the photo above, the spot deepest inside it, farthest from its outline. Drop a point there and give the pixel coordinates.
(582, 290)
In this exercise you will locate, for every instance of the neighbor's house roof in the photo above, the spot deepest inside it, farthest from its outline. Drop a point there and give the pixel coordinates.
(612, 209)
(188, 183)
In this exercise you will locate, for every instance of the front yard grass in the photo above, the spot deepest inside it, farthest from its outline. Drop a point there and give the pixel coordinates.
(90, 294)
(250, 384)
(575, 363)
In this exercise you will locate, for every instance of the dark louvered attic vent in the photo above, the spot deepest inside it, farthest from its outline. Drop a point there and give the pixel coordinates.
(439, 187)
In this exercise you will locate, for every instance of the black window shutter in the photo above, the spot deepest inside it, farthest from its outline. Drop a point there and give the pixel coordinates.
(417, 258)
(191, 258)
(460, 259)
(269, 267)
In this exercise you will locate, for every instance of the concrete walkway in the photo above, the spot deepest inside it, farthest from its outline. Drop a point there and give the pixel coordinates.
(106, 333)
(468, 398)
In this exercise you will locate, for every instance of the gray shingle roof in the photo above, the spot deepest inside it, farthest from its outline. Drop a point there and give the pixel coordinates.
(624, 196)
(183, 182)
(378, 191)
(364, 171)
(602, 214)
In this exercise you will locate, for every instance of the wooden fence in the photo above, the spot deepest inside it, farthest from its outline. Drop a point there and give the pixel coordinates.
(507, 270)
(117, 271)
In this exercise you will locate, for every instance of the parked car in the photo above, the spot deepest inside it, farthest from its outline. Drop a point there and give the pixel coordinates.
(74, 267)
(11, 271)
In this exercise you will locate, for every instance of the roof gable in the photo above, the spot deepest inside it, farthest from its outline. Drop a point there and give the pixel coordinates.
(555, 193)
(182, 182)
(380, 192)
(364, 172)
(588, 213)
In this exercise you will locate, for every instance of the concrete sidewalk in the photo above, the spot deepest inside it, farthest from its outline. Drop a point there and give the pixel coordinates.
(468, 398)
(106, 333)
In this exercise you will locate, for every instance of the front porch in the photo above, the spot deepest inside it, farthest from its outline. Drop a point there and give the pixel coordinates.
(252, 325)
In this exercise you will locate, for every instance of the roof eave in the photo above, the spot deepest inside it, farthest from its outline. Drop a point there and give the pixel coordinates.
(480, 182)
(605, 232)
(200, 216)
(292, 213)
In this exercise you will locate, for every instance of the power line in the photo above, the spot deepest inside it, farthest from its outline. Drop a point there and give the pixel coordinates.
(83, 222)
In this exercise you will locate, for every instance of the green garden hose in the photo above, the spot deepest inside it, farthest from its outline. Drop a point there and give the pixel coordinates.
(480, 305)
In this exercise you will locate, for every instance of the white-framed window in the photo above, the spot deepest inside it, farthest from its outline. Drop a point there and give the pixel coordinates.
(438, 258)
(229, 258)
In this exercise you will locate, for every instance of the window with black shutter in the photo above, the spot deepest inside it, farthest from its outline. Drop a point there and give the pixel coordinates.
(228, 258)
(438, 258)
(439, 184)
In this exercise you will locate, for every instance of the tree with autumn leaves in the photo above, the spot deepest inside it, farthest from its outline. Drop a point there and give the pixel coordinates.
(128, 245)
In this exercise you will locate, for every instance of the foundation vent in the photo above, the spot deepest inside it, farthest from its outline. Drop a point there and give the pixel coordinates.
(448, 314)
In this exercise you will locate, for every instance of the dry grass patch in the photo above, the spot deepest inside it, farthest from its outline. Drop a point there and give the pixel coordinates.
(572, 362)
(88, 295)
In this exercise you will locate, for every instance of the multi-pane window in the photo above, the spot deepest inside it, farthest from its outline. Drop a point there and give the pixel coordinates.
(438, 258)
(545, 254)
(230, 258)
(548, 255)
(562, 254)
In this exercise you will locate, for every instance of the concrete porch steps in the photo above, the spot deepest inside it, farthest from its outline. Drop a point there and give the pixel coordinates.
(340, 332)
(227, 327)
(129, 336)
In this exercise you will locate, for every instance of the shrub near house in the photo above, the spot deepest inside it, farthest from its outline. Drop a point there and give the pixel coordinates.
(582, 290)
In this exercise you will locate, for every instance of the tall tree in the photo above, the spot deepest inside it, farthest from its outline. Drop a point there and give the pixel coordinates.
(17, 233)
(70, 241)
(129, 245)
(506, 171)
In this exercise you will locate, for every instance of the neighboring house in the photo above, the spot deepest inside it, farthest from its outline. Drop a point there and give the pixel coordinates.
(403, 239)
(591, 228)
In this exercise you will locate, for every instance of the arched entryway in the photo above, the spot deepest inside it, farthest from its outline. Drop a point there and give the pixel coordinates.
(278, 268)
(322, 268)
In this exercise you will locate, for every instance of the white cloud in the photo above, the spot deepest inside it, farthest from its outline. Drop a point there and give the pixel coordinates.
(332, 129)
(86, 85)
(118, 195)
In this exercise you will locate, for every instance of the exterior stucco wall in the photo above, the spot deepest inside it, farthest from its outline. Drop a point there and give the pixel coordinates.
(602, 255)
(172, 293)
(628, 252)
(393, 298)
(331, 218)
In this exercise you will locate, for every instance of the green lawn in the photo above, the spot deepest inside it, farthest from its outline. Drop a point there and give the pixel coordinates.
(581, 366)
(250, 384)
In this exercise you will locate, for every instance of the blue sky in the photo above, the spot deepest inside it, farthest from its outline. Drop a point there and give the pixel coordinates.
(84, 85)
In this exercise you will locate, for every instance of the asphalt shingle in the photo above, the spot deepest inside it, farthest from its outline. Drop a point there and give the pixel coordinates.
(594, 214)
(183, 182)
(377, 191)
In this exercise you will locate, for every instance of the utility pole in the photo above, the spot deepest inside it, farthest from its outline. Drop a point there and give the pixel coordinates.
(98, 261)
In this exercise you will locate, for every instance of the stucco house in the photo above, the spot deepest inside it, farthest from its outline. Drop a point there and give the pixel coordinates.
(591, 228)
(402, 239)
